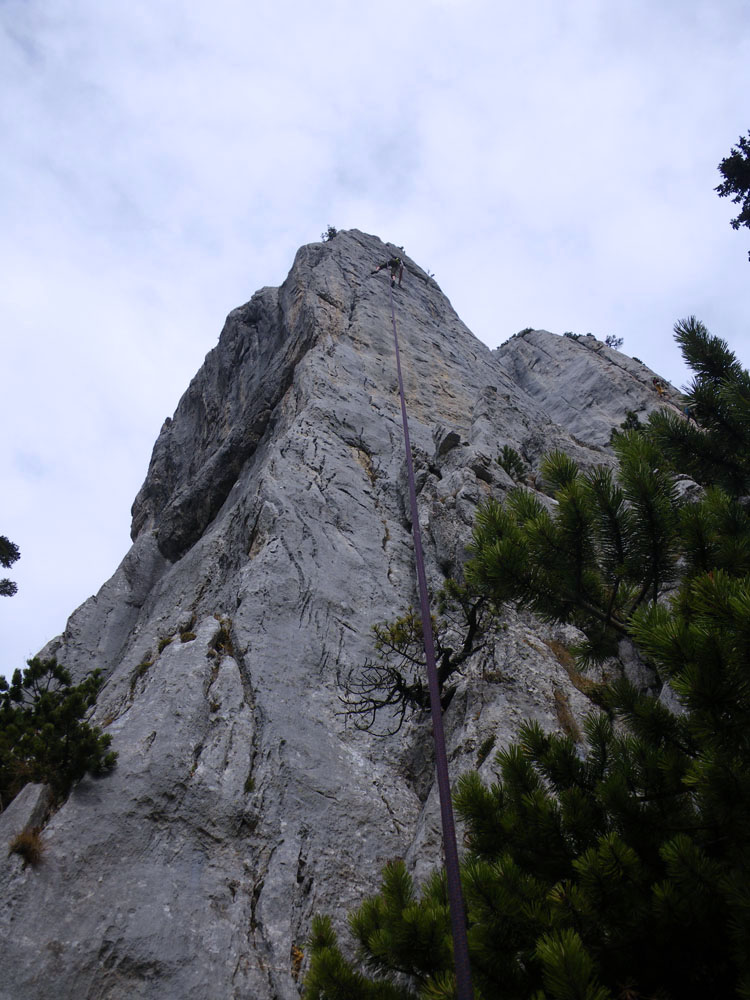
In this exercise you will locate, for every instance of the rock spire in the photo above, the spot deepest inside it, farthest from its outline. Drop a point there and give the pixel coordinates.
(270, 534)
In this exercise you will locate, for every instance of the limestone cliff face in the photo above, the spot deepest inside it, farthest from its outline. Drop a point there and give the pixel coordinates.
(270, 534)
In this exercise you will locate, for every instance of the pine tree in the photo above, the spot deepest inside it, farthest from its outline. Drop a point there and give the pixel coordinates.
(735, 169)
(619, 868)
(9, 553)
(512, 463)
(609, 544)
(713, 443)
(613, 869)
(44, 732)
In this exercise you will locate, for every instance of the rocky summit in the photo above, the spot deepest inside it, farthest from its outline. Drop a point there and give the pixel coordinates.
(271, 533)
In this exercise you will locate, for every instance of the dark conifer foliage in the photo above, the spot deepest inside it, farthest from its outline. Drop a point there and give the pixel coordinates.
(9, 553)
(609, 544)
(712, 442)
(735, 169)
(44, 732)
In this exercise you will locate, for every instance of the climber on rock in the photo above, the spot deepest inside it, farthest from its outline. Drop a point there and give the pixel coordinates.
(396, 266)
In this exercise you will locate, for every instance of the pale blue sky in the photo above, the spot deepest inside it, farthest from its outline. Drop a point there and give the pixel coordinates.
(552, 163)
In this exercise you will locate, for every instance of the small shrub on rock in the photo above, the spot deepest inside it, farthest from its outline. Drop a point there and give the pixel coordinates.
(140, 671)
(45, 734)
(29, 845)
(512, 463)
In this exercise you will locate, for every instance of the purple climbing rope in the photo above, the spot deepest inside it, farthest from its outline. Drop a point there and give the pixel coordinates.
(464, 989)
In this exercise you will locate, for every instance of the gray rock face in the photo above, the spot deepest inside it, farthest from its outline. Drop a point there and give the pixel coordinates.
(271, 533)
(598, 385)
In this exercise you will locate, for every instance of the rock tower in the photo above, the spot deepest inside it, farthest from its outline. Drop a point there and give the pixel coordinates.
(270, 534)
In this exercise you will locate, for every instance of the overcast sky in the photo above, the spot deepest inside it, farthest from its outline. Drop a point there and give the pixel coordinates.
(552, 162)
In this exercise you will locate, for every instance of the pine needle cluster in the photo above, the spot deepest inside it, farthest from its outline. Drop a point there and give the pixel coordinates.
(608, 543)
(713, 443)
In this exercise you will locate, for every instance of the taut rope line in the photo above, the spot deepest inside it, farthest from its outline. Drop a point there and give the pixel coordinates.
(464, 989)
